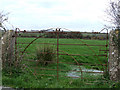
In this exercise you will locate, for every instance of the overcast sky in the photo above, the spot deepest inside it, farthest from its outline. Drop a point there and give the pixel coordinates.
(80, 15)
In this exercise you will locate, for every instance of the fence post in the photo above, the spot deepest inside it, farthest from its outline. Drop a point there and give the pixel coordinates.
(16, 47)
(57, 53)
(11, 45)
(0, 58)
(114, 57)
(8, 43)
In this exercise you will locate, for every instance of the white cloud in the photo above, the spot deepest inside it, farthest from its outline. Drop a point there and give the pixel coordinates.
(62, 13)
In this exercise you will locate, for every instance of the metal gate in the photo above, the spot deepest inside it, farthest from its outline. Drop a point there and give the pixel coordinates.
(86, 53)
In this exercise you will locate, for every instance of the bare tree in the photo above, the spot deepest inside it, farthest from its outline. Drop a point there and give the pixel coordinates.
(113, 12)
(3, 18)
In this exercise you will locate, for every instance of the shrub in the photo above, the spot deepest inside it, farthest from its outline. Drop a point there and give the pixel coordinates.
(45, 55)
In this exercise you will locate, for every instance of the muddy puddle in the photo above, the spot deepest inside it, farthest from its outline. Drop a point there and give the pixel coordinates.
(78, 73)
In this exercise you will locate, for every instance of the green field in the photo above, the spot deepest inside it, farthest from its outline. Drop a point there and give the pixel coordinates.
(88, 55)
(69, 49)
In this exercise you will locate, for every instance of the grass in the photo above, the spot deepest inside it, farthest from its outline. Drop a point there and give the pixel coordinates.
(28, 80)
(70, 49)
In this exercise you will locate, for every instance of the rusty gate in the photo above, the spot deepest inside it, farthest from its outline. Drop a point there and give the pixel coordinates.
(78, 51)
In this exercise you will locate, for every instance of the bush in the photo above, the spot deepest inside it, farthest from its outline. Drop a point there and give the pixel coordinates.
(45, 55)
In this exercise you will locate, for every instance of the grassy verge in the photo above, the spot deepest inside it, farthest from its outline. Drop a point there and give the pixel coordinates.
(26, 80)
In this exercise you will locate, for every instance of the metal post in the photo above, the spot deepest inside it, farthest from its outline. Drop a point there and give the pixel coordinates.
(57, 53)
(107, 67)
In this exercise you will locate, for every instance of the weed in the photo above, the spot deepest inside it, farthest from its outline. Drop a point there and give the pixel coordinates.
(116, 85)
(106, 75)
(45, 55)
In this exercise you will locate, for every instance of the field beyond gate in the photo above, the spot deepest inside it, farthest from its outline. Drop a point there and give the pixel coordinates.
(73, 55)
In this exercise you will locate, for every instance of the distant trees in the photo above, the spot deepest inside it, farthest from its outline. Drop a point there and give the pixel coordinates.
(65, 35)
(3, 18)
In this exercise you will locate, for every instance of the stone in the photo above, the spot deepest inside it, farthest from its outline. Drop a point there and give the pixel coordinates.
(119, 66)
(112, 53)
(114, 63)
